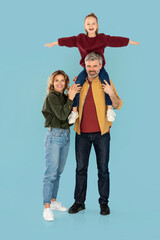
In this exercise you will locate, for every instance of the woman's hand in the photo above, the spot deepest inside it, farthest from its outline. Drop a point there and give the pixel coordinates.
(75, 78)
(51, 44)
(133, 43)
(73, 90)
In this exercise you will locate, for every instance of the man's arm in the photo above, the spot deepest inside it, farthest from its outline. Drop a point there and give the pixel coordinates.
(110, 90)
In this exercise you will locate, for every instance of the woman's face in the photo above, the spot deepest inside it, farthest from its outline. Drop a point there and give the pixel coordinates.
(59, 83)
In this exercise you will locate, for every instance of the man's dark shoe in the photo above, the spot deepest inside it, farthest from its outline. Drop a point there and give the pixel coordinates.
(76, 207)
(104, 209)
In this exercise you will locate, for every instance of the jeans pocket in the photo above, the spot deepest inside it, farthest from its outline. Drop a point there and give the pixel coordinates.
(56, 132)
(47, 140)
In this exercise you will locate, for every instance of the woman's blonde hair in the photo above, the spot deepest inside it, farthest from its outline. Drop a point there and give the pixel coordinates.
(50, 86)
(91, 15)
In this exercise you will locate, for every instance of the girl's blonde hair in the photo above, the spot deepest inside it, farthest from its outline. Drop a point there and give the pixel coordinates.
(91, 15)
(50, 86)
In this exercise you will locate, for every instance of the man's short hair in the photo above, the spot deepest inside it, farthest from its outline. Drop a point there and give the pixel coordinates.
(94, 56)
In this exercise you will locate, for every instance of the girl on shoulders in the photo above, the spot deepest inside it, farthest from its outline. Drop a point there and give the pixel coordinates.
(92, 41)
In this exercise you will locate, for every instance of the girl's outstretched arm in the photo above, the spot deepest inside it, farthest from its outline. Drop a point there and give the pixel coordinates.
(51, 44)
(133, 43)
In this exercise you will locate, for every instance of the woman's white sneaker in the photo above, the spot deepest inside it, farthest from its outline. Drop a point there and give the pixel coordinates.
(57, 206)
(48, 214)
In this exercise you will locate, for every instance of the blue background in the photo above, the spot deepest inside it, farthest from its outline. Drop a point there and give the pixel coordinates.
(134, 162)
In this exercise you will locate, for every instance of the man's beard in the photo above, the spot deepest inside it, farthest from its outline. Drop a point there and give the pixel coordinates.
(93, 76)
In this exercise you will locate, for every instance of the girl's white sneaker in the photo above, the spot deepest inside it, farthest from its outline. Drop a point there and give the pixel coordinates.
(72, 117)
(111, 115)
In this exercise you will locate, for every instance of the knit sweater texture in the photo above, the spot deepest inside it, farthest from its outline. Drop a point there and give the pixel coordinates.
(56, 110)
(97, 44)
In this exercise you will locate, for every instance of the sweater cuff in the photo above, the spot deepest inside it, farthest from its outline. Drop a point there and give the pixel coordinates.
(69, 103)
(60, 41)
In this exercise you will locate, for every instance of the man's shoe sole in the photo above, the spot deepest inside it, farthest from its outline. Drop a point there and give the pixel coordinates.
(78, 210)
(105, 213)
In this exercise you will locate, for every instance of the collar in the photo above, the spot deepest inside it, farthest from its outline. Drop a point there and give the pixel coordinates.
(96, 79)
(57, 93)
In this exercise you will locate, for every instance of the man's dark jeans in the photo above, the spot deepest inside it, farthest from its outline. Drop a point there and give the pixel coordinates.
(101, 145)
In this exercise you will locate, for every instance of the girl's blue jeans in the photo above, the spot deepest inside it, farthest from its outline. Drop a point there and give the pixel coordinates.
(103, 75)
(56, 148)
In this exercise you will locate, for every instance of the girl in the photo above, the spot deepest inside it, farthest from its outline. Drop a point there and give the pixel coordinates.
(56, 108)
(92, 42)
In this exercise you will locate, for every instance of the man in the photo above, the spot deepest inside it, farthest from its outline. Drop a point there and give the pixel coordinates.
(92, 128)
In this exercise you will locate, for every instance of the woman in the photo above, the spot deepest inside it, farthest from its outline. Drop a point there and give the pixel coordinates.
(56, 109)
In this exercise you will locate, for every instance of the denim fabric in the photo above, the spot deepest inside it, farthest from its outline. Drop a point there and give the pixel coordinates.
(101, 145)
(56, 150)
(80, 80)
(103, 75)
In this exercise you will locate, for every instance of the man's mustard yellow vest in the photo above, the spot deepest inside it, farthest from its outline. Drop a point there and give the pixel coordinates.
(99, 100)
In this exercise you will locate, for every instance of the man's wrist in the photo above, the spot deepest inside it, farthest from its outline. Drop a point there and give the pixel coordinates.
(111, 94)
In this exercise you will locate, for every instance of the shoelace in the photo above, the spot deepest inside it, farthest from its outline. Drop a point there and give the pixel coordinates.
(48, 212)
(58, 204)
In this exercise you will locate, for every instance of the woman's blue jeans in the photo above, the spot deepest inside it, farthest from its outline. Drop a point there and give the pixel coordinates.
(56, 148)
(103, 75)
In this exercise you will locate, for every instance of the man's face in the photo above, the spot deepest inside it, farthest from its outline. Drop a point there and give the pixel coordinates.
(93, 68)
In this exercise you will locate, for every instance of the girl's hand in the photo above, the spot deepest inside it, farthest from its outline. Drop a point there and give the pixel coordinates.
(73, 90)
(133, 43)
(51, 44)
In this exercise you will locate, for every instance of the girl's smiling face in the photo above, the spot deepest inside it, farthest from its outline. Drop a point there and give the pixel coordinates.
(91, 26)
(59, 83)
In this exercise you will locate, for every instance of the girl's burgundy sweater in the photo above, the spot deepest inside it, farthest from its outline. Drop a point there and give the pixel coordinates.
(97, 44)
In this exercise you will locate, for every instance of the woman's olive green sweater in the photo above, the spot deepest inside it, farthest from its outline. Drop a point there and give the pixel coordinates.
(56, 110)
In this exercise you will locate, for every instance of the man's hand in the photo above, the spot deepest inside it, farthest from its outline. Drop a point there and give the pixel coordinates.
(107, 88)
